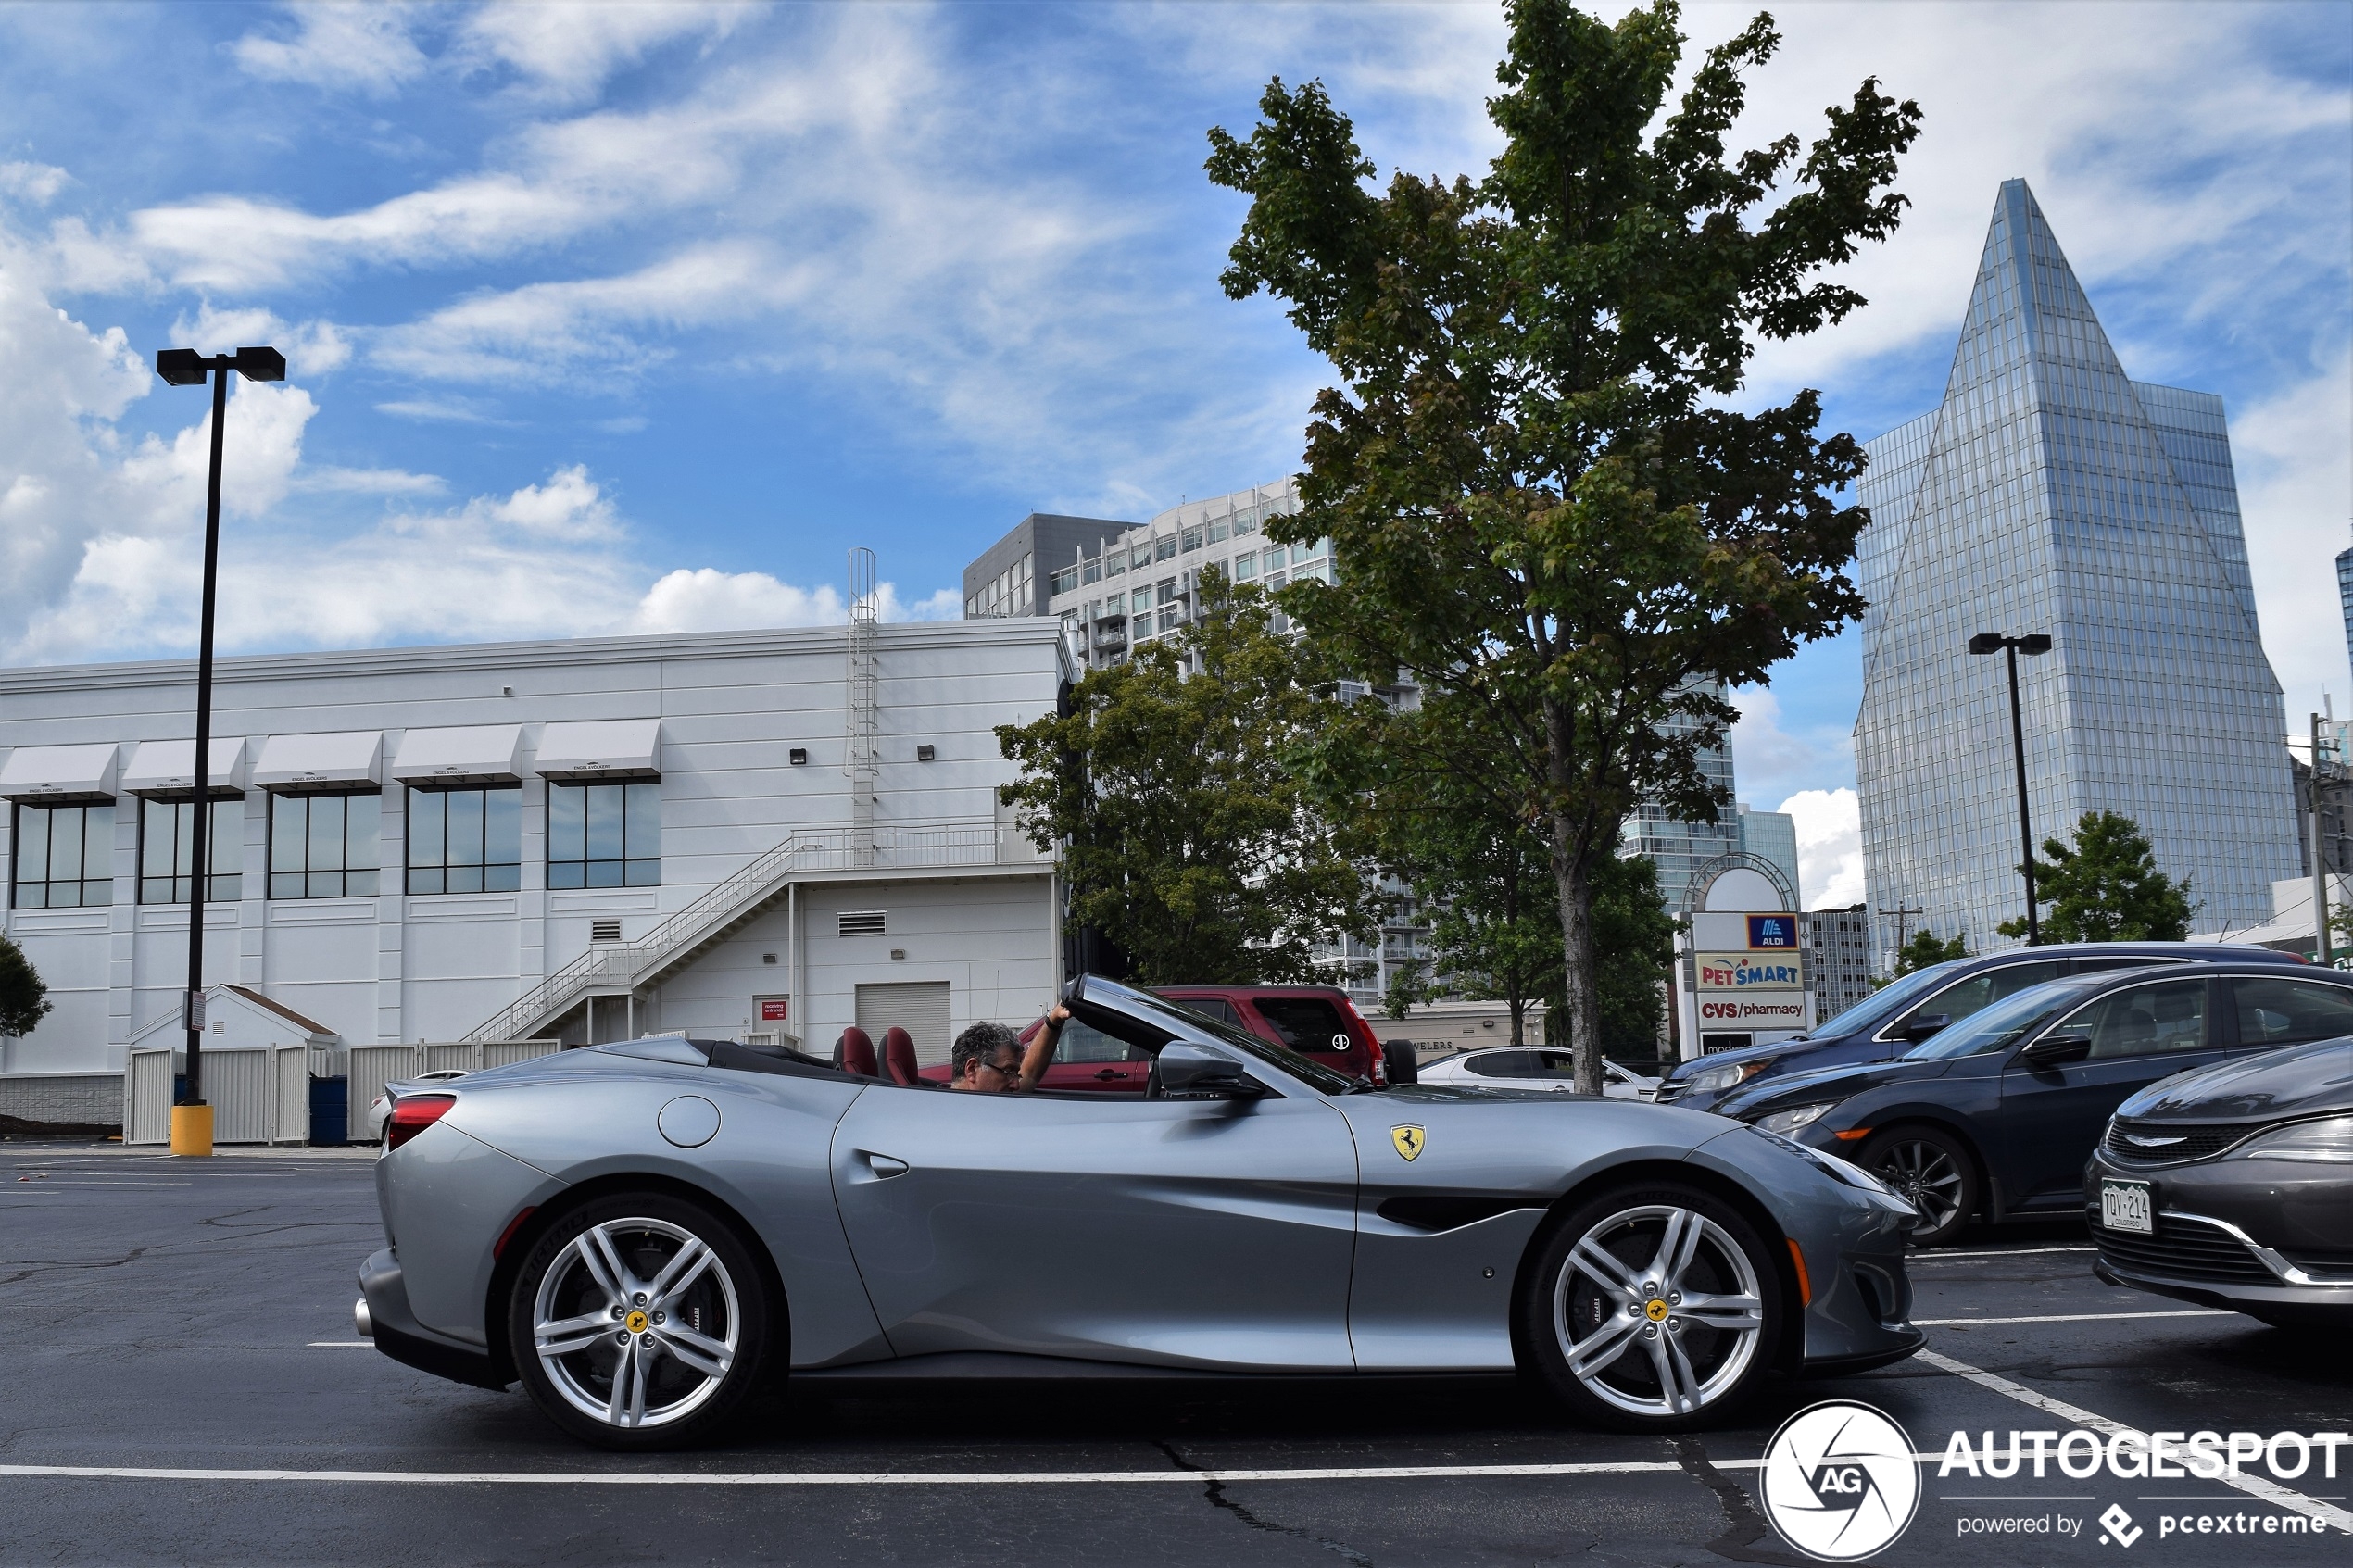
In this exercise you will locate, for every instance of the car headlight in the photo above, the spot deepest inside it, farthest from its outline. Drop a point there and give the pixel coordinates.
(1725, 1076)
(2328, 1142)
(1797, 1116)
(1837, 1170)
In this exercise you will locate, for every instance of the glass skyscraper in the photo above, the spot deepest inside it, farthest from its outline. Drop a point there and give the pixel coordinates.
(2049, 493)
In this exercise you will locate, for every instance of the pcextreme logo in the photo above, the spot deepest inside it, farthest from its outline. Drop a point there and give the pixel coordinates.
(1840, 1481)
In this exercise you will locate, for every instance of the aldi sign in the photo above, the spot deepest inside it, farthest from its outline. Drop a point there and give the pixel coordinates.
(1772, 933)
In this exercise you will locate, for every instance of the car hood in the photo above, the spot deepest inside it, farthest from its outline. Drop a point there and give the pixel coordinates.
(1747, 1053)
(2313, 1077)
(1827, 1084)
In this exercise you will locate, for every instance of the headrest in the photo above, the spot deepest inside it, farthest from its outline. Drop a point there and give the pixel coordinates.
(854, 1052)
(898, 1056)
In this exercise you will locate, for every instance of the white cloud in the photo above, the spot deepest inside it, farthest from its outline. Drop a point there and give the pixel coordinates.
(567, 51)
(1830, 846)
(2296, 494)
(314, 348)
(1769, 760)
(361, 47)
(35, 182)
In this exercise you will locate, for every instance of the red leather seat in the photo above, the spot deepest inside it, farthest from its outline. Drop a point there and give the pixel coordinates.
(854, 1053)
(899, 1057)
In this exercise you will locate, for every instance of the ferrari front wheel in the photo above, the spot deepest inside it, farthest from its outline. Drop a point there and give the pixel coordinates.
(1650, 1308)
(639, 1320)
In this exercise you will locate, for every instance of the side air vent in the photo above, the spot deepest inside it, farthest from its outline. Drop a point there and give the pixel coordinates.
(604, 931)
(862, 922)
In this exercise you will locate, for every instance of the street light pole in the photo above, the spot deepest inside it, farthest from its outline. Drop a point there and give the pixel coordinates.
(2010, 647)
(191, 1116)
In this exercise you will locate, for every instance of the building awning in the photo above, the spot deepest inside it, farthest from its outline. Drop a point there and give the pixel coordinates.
(168, 767)
(471, 754)
(294, 764)
(603, 749)
(59, 775)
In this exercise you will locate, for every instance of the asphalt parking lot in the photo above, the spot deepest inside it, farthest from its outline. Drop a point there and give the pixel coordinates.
(186, 1387)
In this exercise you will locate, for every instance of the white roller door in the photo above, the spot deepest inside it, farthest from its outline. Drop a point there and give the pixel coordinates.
(918, 1007)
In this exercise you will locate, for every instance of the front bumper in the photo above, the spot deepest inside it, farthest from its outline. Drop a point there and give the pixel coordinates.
(396, 1331)
(2263, 1237)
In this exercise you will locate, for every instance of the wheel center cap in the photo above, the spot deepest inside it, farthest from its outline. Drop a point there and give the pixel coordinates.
(1654, 1310)
(636, 1323)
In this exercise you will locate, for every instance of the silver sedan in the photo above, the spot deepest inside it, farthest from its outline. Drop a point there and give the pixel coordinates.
(641, 1234)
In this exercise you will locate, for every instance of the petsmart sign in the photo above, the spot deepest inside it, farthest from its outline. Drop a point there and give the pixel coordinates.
(1749, 972)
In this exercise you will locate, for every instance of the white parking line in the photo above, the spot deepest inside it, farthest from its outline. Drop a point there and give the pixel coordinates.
(2072, 1317)
(2253, 1486)
(864, 1478)
(335, 1344)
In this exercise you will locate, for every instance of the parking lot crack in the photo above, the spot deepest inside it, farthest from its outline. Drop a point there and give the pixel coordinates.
(1743, 1526)
(1214, 1490)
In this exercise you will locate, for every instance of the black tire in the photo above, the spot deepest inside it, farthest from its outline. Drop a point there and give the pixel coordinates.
(1399, 1062)
(1601, 1333)
(1935, 1169)
(677, 1364)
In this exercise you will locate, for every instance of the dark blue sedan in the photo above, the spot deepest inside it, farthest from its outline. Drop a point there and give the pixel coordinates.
(1997, 1115)
(1894, 1020)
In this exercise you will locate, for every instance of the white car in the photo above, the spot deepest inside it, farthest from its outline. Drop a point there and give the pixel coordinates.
(381, 1107)
(1532, 1067)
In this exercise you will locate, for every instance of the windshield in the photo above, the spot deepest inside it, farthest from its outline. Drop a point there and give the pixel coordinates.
(1889, 998)
(1306, 1069)
(2005, 1022)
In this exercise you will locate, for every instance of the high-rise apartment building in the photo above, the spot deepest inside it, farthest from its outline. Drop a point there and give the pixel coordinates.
(1009, 578)
(1838, 958)
(2050, 493)
(1772, 835)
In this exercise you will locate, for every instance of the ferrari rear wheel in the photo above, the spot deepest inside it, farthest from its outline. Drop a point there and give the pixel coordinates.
(638, 1321)
(1652, 1308)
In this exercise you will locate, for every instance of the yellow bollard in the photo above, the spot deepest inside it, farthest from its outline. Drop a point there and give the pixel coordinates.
(192, 1129)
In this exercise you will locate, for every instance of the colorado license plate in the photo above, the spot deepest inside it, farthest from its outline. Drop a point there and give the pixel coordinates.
(2125, 1206)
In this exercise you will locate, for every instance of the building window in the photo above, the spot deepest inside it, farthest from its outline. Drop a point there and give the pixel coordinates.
(1217, 528)
(64, 857)
(604, 835)
(1245, 568)
(1245, 523)
(1092, 573)
(465, 840)
(326, 846)
(1193, 539)
(166, 833)
(1166, 547)
(1114, 562)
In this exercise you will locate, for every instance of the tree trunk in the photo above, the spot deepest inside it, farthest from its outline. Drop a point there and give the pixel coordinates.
(1520, 1008)
(1582, 999)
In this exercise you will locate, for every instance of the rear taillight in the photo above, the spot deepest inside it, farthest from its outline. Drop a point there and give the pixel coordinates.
(1364, 1033)
(412, 1114)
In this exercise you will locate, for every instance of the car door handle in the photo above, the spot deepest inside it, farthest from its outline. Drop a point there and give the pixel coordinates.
(883, 1165)
(1108, 1074)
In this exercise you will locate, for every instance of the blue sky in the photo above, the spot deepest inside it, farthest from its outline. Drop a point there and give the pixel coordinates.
(617, 316)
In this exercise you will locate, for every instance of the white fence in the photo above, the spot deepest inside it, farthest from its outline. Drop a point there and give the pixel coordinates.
(370, 1067)
(258, 1095)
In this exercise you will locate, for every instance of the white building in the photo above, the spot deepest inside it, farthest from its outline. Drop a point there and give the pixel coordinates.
(565, 839)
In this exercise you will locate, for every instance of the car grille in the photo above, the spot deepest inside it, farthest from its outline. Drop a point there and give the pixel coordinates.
(2183, 1249)
(2196, 1142)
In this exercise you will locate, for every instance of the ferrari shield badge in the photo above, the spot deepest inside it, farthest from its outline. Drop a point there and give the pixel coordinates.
(1408, 1139)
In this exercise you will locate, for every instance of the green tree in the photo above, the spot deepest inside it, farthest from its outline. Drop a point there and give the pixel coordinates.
(1927, 949)
(1540, 493)
(1180, 802)
(2107, 889)
(23, 998)
(1482, 877)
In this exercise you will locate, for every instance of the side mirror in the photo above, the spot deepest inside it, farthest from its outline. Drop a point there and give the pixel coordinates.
(1196, 1070)
(1924, 1026)
(2057, 1050)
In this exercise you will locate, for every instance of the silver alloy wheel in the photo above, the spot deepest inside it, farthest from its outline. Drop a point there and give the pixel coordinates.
(636, 1323)
(1692, 1307)
(1927, 1177)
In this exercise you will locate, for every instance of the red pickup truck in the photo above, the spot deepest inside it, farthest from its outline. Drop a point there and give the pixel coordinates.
(1316, 1019)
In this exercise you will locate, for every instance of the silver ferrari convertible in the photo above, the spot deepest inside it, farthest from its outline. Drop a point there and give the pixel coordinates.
(642, 1233)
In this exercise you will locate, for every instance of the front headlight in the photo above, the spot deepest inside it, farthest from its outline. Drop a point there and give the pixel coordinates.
(2328, 1142)
(1838, 1169)
(1797, 1116)
(1727, 1075)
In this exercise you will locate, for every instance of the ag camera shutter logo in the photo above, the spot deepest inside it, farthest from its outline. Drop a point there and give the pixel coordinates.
(1840, 1481)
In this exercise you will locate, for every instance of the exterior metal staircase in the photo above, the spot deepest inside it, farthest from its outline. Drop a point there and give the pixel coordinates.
(622, 968)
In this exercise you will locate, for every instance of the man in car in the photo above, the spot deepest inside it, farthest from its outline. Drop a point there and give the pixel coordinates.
(988, 1057)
